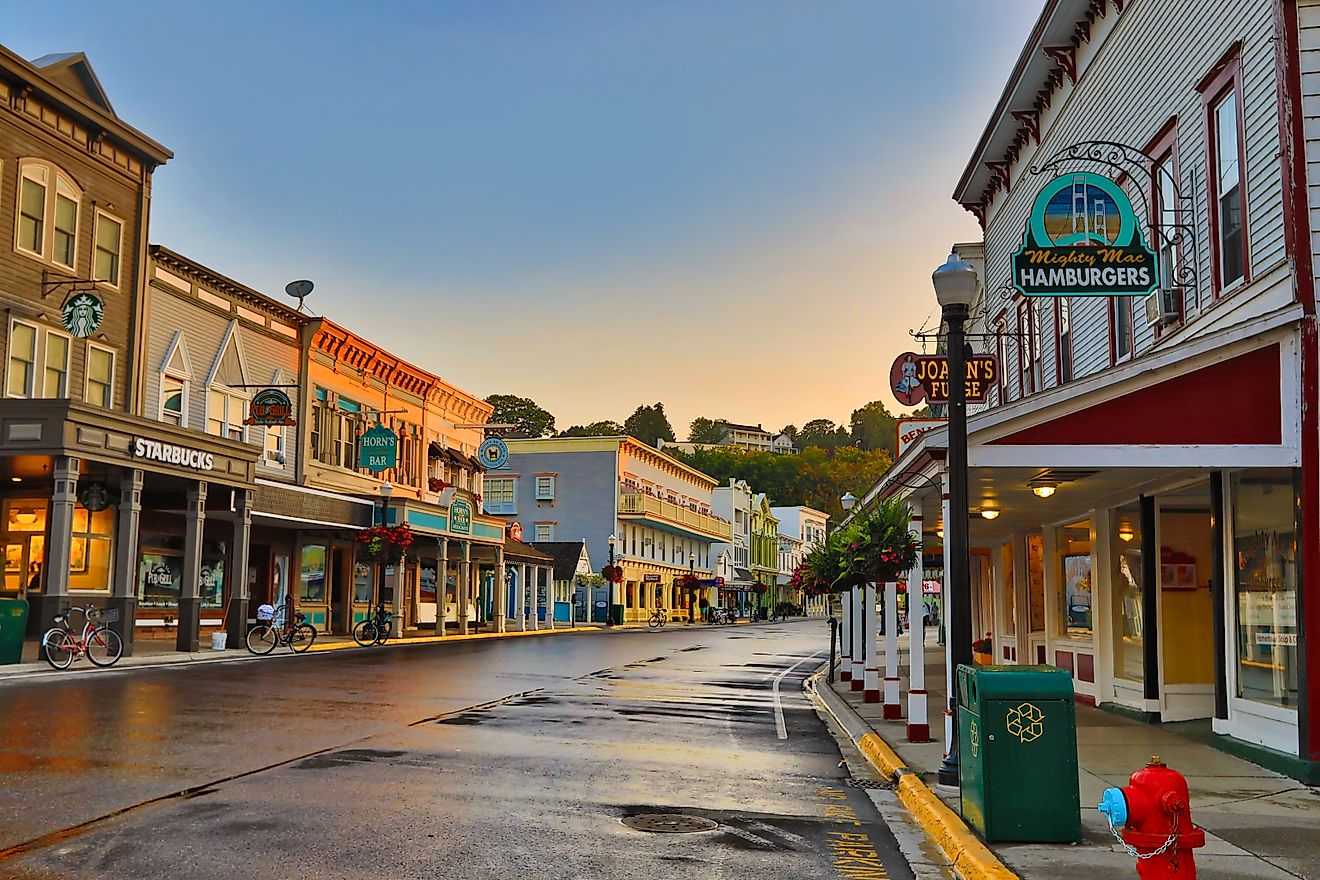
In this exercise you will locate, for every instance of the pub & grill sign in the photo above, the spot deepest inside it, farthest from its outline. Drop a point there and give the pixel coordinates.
(1083, 239)
(270, 407)
(917, 377)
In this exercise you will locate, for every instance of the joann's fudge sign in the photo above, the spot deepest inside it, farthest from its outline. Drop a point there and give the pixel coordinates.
(1083, 239)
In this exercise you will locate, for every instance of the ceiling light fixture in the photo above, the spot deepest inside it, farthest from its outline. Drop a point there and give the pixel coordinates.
(989, 512)
(1044, 490)
(1125, 533)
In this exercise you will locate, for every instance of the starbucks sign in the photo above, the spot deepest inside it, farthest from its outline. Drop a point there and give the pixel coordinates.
(82, 314)
(378, 450)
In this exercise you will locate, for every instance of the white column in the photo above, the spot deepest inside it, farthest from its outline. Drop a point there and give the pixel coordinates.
(463, 590)
(893, 697)
(845, 636)
(860, 635)
(520, 599)
(918, 724)
(501, 588)
(534, 586)
(870, 664)
(442, 588)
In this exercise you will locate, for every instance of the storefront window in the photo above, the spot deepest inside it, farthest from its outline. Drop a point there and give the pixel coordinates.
(1129, 625)
(427, 581)
(1265, 569)
(90, 551)
(361, 583)
(311, 574)
(160, 570)
(1077, 606)
(25, 545)
(213, 577)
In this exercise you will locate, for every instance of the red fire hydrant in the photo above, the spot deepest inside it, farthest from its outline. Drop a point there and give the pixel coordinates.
(1157, 822)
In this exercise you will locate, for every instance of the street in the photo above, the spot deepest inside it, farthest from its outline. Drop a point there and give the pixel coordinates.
(473, 759)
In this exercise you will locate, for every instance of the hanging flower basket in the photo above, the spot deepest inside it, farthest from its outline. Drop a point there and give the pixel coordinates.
(385, 544)
(688, 581)
(612, 573)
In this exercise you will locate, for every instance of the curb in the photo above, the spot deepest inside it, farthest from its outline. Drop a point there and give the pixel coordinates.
(240, 655)
(970, 857)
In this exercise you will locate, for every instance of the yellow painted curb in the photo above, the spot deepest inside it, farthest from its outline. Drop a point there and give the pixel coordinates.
(971, 858)
(878, 752)
(426, 640)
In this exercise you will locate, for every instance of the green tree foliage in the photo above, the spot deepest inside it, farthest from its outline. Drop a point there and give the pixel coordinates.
(822, 433)
(650, 425)
(873, 427)
(790, 431)
(528, 419)
(595, 429)
(817, 477)
(704, 430)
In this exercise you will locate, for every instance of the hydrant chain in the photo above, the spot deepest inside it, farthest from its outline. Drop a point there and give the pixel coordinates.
(1132, 851)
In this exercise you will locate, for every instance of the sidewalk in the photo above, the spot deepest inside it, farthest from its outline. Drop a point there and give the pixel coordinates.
(1259, 825)
(160, 652)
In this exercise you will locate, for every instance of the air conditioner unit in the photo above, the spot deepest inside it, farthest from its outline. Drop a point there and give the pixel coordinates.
(1162, 307)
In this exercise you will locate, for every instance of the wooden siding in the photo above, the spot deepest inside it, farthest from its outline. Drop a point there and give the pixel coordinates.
(1308, 14)
(1139, 71)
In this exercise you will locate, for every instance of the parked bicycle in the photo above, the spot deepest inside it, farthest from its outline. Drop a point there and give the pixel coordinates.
(659, 618)
(375, 630)
(722, 615)
(100, 644)
(274, 628)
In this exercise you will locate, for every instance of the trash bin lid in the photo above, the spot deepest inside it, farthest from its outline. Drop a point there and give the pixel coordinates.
(1022, 682)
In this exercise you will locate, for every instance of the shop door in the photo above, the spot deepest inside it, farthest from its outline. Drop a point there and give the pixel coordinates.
(1186, 609)
(341, 603)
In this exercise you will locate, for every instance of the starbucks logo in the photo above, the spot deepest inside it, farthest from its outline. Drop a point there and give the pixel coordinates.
(82, 314)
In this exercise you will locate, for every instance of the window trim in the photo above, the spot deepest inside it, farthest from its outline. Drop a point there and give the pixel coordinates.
(511, 507)
(1026, 340)
(1114, 359)
(119, 256)
(87, 372)
(77, 218)
(23, 166)
(281, 449)
(1001, 351)
(1164, 148)
(36, 358)
(549, 494)
(228, 392)
(55, 177)
(1059, 302)
(1225, 75)
(160, 393)
(44, 346)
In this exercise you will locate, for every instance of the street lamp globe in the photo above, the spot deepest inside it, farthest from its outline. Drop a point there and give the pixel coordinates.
(849, 501)
(386, 490)
(613, 539)
(955, 282)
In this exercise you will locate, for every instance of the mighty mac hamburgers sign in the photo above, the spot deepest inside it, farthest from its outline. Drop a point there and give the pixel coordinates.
(1083, 239)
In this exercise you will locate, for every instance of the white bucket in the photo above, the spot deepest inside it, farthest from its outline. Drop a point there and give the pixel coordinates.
(218, 640)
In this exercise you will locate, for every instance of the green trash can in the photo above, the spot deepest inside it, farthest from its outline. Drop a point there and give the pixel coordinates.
(13, 626)
(1017, 753)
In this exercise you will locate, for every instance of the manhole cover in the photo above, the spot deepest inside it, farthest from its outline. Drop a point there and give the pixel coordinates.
(669, 823)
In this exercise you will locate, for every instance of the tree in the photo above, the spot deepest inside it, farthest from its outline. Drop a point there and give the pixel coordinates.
(873, 427)
(823, 433)
(528, 419)
(790, 431)
(595, 429)
(650, 425)
(704, 430)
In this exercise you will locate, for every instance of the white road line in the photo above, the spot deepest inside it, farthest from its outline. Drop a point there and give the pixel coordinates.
(779, 706)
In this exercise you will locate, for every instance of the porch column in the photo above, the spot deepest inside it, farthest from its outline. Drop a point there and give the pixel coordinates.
(239, 588)
(190, 591)
(442, 586)
(860, 635)
(893, 697)
(547, 577)
(918, 723)
(520, 597)
(55, 600)
(870, 664)
(535, 586)
(845, 636)
(124, 591)
(463, 588)
(501, 593)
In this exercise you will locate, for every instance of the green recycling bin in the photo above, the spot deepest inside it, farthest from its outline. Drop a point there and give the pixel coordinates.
(1017, 753)
(13, 626)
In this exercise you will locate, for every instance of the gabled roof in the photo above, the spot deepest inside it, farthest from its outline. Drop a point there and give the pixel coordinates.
(518, 550)
(566, 555)
(73, 71)
(754, 429)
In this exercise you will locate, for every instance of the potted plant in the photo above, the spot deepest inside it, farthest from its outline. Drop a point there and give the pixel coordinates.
(385, 544)
(877, 547)
(983, 651)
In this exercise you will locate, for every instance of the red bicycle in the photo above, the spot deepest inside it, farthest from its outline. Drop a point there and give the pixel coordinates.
(98, 643)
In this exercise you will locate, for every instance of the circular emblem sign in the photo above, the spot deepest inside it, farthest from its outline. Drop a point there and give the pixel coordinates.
(82, 314)
(94, 496)
(493, 453)
(270, 407)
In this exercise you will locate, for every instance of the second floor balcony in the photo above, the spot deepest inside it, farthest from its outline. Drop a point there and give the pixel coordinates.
(668, 515)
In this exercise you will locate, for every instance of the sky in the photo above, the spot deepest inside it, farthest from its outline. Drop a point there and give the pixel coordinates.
(731, 207)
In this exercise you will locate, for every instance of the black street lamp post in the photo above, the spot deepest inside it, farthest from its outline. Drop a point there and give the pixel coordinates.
(955, 288)
(609, 586)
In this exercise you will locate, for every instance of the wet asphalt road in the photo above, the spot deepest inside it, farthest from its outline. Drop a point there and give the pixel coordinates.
(477, 759)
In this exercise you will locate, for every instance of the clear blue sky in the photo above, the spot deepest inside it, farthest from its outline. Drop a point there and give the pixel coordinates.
(729, 207)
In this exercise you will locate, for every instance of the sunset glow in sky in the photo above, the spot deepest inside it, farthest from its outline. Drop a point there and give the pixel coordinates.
(730, 207)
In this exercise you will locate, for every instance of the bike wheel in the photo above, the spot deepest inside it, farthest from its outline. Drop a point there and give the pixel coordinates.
(57, 648)
(365, 632)
(302, 637)
(104, 647)
(261, 639)
(383, 632)
(655, 622)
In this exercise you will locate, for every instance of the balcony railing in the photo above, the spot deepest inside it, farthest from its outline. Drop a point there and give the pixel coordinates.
(655, 508)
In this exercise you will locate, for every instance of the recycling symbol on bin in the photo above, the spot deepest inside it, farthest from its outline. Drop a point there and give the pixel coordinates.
(1026, 722)
(976, 739)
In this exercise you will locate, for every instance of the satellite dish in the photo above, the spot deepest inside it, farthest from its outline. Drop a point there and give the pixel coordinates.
(299, 290)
